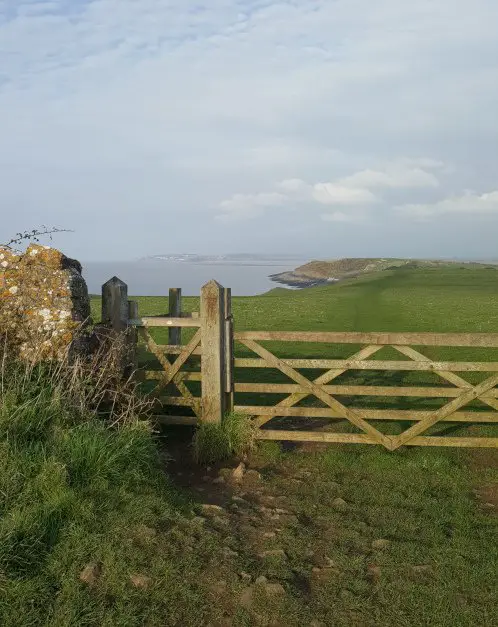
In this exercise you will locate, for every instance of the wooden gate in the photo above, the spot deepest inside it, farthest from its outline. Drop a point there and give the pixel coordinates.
(366, 420)
(470, 399)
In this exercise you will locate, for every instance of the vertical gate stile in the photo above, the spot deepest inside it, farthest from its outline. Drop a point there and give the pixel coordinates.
(229, 352)
(175, 311)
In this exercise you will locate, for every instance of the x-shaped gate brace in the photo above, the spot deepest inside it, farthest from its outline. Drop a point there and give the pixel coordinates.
(172, 371)
(428, 419)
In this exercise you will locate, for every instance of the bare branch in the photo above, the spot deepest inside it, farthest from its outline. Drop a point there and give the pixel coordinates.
(33, 236)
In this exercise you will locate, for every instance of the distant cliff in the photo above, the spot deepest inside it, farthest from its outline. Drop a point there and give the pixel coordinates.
(323, 272)
(236, 259)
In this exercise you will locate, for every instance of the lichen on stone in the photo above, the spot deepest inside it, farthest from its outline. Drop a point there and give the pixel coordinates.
(43, 302)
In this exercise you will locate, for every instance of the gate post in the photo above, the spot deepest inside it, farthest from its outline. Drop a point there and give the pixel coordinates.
(115, 316)
(115, 304)
(216, 360)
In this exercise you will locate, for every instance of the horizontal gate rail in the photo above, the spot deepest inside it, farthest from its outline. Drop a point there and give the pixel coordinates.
(424, 366)
(358, 438)
(485, 340)
(165, 321)
(357, 390)
(373, 414)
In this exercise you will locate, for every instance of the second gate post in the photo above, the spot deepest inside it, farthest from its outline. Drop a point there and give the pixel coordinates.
(217, 371)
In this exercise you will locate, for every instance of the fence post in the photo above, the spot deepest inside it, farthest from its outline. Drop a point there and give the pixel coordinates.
(115, 313)
(115, 304)
(175, 310)
(133, 336)
(215, 401)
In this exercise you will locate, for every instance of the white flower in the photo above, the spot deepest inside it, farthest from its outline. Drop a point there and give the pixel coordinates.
(14, 289)
(4, 264)
(33, 252)
(2, 256)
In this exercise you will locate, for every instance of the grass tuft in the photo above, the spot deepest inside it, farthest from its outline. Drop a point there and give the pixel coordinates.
(215, 442)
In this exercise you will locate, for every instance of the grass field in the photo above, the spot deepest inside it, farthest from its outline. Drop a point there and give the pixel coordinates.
(346, 535)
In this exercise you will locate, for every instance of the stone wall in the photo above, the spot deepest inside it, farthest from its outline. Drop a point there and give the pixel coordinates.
(44, 302)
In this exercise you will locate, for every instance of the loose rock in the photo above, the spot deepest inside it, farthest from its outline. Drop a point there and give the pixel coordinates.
(274, 589)
(212, 510)
(423, 569)
(380, 544)
(339, 504)
(219, 523)
(374, 573)
(140, 581)
(238, 473)
(91, 573)
(246, 598)
(272, 553)
(320, 560)
(239, 500)
(252, 475)
(142, 532)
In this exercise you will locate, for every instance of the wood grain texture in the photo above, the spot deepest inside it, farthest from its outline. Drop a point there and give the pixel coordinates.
(486, 340)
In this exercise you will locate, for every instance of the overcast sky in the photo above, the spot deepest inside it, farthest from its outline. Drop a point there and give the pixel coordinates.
(320, 127)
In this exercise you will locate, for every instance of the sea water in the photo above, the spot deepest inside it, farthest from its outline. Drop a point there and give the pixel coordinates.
(155, 277)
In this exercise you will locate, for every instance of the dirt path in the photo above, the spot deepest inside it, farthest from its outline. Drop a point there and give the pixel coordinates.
(325, 537)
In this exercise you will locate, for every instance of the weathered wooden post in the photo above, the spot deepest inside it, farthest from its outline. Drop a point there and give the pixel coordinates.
(115, 315)
(216, 343)
(175, 311)
(133, 336)
(115, 304)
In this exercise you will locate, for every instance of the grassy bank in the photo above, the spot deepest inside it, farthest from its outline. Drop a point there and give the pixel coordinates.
(90, 527)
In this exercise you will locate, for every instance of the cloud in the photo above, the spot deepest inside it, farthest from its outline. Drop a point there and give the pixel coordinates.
(469, 203)
(394, 177)
(351, 195)
(356, 217)
(249, 205)
(342, 195)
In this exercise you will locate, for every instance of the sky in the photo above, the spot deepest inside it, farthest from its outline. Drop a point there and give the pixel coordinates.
(323, 128)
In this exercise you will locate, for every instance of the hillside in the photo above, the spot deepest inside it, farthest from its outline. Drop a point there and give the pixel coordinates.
(321, 272)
